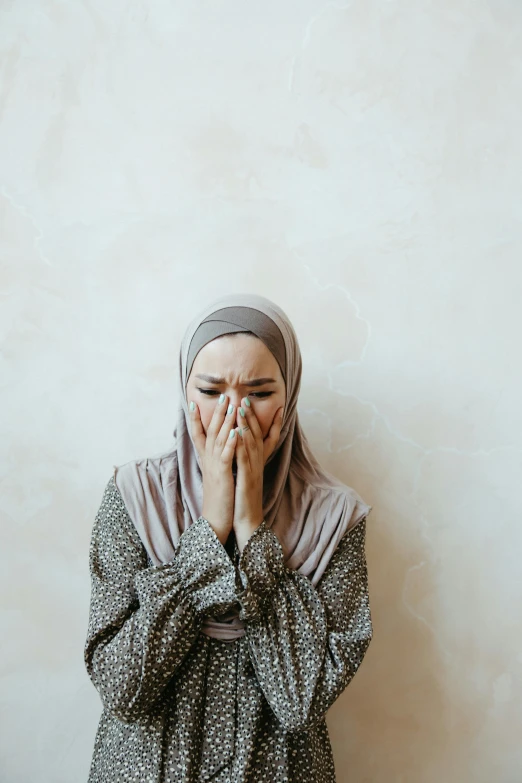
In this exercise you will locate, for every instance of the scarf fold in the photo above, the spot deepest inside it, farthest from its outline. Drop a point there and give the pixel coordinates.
(306, 507)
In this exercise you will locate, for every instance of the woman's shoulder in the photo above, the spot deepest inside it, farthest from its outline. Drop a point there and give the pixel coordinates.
(329, 493)
(156, 471)
(113, 527)
(323, 488)
(160, 461)
(111, 500)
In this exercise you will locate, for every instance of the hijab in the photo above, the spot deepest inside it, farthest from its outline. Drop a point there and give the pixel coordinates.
(307, 508)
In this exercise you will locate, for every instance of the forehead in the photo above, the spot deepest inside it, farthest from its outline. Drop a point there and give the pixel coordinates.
(237, 353)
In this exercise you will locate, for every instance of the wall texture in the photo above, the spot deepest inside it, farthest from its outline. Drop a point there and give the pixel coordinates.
(359, 163)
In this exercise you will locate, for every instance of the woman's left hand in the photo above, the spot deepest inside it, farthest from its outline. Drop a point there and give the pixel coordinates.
(252, 452)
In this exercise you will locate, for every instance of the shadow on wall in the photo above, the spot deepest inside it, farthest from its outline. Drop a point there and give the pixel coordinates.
(408, 715)
(390, 723)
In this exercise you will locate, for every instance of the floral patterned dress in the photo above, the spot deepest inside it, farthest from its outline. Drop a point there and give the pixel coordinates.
(180, 706)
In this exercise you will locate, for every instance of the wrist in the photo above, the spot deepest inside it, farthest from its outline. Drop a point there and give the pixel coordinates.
(221, 531)
(243, 531)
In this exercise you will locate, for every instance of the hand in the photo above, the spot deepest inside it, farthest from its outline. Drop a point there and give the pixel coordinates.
(216, 451)
(252, 452)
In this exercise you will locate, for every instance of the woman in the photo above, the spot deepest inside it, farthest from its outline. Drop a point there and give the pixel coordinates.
(229, 603)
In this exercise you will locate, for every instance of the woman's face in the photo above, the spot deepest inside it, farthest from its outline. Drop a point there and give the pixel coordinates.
(229, 365)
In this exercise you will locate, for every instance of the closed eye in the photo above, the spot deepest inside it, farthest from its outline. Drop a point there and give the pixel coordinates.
(213, 392)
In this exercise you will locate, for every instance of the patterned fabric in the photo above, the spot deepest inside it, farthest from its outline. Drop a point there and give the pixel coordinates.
(180, 706)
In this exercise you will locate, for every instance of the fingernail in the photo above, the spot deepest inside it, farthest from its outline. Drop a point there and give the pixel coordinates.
(192, 406)
(242, 412)
(221, 398)
(230, 408)
(232, 433)
(247, 402)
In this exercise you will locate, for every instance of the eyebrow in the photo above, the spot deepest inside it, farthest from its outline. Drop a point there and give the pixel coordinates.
(253, 382)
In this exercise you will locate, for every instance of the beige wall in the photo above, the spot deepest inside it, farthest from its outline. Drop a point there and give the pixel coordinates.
(359, 163)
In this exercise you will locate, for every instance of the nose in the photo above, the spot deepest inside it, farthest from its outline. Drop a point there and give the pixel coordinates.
(234, 398)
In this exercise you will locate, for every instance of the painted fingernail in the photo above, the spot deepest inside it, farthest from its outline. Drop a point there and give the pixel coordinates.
(221, 398)
(230, 408)
(247, 402)
(232, 433)
(242, 412)
(192, 406)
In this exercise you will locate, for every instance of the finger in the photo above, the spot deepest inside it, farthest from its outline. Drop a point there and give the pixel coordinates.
(228, 424)
(274, 433)
(246, 416)
(251, 447)
(218, 416)
(198, 433)
(241, 451)
(227, 454)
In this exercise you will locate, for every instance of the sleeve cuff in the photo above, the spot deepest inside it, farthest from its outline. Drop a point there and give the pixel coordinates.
(202, 565)
(259, 569)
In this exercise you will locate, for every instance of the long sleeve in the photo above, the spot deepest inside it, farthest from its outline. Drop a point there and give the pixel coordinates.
(305, 642)
(143, 620)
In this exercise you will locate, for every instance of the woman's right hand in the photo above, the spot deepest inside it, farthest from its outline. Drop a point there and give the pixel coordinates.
(216, 451)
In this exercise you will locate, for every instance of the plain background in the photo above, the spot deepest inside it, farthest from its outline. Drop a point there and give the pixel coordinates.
(359, 163)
